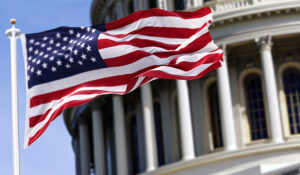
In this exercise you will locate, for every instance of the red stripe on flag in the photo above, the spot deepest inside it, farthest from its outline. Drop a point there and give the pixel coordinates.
(146, 80)
(155, 12)
(137, 42)
(186, 66)
(48, 97)
(126, 59)
(166, 32)
(192, 47)
(33, 121)
(37, 119)
(53, 116)
(109, 81)
(164, 75)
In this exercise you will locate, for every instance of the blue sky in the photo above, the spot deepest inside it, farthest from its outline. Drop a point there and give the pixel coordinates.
(52, 152)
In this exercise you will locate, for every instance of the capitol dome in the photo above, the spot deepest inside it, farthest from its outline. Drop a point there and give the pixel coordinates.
(241, 119)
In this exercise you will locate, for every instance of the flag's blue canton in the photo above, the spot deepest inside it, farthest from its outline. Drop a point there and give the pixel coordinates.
(61, 53)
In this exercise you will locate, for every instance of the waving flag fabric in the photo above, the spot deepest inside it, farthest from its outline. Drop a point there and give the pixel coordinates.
(69, 66)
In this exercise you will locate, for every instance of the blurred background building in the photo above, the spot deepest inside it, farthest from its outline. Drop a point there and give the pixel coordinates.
(243, 118)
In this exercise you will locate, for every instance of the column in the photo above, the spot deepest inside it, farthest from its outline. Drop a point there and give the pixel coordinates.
(197, 3)
(169, 5)
(160, 4)
(164, 4)
(98, 141)
(150, 139)
(120, 135)
(185, 121)
(265, 44)
(141, 5)
(189, 4)
(233, 76)
(120, 5)
(84, 142)
(227, 118)
(138, 5)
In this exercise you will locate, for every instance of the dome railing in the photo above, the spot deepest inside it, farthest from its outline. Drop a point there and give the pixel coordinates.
(223, 6)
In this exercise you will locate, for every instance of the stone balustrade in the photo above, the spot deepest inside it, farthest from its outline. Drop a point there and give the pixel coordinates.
(222, 6)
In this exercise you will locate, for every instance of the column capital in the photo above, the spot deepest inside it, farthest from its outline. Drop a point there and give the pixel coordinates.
(264, 42)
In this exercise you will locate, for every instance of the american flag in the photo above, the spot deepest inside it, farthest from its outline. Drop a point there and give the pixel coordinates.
(69, 66)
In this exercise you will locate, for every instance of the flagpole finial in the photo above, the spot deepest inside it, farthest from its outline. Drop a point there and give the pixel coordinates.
(13, 21)
(13, 31)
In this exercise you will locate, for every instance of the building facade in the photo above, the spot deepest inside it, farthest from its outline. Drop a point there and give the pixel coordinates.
(243, 118)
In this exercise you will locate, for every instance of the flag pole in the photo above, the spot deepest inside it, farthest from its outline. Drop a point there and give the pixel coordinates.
(14, 33)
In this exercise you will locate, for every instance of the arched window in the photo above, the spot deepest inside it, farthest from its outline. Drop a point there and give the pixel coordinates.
(255, 107)
(215, 118)
(152, 4)
(179, 4)
(159, 134)
(291, 79)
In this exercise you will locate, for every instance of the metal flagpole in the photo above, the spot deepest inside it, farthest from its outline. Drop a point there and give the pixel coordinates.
(14, 33)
